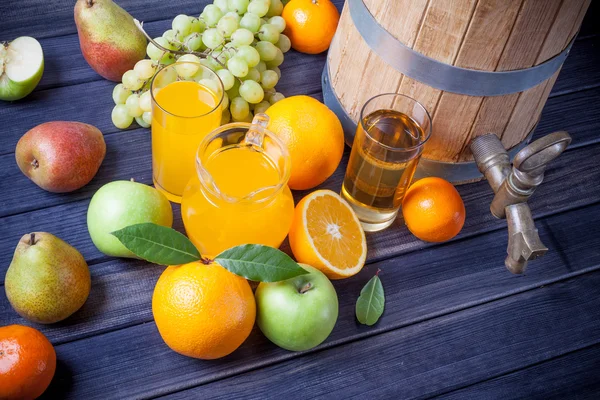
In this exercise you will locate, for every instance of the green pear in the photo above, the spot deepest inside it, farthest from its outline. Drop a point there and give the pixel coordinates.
(21, 67)
(109, 40)
(119, 204)
(47, 280)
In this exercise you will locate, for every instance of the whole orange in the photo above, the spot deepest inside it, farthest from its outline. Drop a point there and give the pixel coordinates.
(203, 311)
(310, 24)
(27, 362)
(313, 135)
(433, 210)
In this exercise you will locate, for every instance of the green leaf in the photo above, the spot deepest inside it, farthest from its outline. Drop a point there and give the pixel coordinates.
(371, 302)
(259, 263)
(158, 244)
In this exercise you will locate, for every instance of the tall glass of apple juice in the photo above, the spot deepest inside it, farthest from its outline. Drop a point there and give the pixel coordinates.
(239, 194)
(389, 140)
(186, 106)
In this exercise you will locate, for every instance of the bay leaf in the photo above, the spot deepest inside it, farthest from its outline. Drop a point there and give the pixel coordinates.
(371, 302)
(158, 244)
(259, 263)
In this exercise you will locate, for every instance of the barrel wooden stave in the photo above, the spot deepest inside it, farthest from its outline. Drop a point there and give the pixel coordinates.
(494, 35)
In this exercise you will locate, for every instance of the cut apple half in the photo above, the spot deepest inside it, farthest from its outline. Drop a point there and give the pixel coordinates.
(21, 67)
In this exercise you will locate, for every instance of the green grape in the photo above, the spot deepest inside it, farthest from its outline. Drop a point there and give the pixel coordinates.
(261, 67)
(227, 78)
(253, 75)
(155, 53)
(249, 54)
(239, 6)
(140, 121)
(193, 41)
(277, 70)
(261, 107)
(211, 15)
(197, 25)
(210, 63)
(164, 77)
(145, 69)
(146, 101)
(252, 92)
(182, 25)
(133, 105)
(212, 38)
(187, 65)
(268, 79)
(259, 7)
(233, 14)
(239, 109)
(266, 50)
(276, 97)
(225, 102)
(276, 62)
(120, 116)
(284, 43)
(147, 117)
(263, 21)
(276, 8)
(212, 84)
(237, 66)
(170, 35)
(222, 4)
(235, 90)
(120, 94)
(131, 80)
(227, 25)
(269, 33)
(224, 56)
(279, 22)
(242, 37)
(225, 117)
(251, 22)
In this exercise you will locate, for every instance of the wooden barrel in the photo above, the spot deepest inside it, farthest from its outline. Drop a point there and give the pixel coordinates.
(475, 35)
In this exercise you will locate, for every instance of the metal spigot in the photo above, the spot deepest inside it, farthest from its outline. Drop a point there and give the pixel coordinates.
(513, 187)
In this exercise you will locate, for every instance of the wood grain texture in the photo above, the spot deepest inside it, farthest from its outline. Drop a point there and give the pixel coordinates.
(68, 221)
(432, 357)
(486, 35)
(560, 378)
(466, 275)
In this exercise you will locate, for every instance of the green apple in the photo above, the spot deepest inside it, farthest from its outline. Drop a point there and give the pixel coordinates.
(21, 67)
(299, 313)
(122, 203)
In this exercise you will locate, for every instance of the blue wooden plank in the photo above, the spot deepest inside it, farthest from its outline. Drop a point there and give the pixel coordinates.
(430, 358)
(577, 167)
(574, 375)
(419, 285)
(420, 359)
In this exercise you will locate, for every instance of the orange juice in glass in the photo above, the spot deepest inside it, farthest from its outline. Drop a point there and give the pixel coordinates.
(240, 193)
(186, 106)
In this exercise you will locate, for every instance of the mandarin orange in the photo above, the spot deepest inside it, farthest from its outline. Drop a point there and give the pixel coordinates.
(433, 210)
(310, 24)
(27, 362)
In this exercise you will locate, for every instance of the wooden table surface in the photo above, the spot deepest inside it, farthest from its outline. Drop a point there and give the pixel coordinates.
(456, 323)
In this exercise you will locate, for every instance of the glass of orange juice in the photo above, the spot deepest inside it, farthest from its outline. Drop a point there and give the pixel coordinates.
(186, 106)
(240, 193)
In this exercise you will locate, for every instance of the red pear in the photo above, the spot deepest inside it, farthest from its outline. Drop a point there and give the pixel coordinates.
(109, 39)
(61, 156)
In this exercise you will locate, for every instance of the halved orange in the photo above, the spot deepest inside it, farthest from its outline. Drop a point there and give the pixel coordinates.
(326, 234)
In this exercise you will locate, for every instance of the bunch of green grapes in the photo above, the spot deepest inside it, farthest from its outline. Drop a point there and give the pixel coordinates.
(241, 40)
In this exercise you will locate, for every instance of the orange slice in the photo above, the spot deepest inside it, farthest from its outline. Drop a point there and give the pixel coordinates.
(326, 234)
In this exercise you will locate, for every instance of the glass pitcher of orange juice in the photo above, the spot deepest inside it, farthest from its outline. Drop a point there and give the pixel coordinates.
(186, 106)
(240, 193)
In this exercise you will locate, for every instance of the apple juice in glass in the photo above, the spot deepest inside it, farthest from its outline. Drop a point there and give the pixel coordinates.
(186, 106)
(239, 194)
(387, 147)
